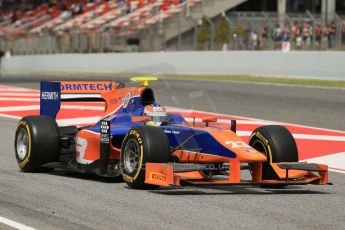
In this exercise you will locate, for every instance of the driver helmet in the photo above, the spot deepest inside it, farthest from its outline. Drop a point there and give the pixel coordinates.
(157, 113)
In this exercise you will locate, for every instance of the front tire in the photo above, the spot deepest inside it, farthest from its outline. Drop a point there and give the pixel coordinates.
(141, 145)
(36, 142)
(277, 143)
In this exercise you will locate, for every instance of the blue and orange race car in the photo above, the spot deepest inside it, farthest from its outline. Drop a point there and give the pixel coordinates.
(138, 140)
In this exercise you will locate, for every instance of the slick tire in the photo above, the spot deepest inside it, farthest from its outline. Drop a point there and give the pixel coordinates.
(36, 143)
(142, 144)
(278, 144)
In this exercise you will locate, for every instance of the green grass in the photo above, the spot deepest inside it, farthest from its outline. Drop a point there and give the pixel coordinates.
(260, 79)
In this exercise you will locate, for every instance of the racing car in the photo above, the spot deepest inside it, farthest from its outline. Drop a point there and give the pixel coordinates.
(138, 140)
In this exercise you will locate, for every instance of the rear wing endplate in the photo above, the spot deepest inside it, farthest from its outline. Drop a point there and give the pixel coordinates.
(52, 93)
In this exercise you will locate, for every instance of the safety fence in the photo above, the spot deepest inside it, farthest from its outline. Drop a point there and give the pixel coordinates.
(245, 31)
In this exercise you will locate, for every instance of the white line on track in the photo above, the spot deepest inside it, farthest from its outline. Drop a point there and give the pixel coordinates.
(82, 107)
(249, 121)
(175, 109)
(319, 137)
(37, 107)
(19, 94)
(10, 116)
(15, 224)
(63, 122)
(18, 99)
(302, 136)
(242, 122)
(335, 170)
(89, 120)
(334, 161)
(78, 121)
(19, 108)
(17, 90)
(172, 109)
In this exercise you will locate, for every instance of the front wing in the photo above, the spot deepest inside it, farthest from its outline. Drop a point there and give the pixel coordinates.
(166, 174)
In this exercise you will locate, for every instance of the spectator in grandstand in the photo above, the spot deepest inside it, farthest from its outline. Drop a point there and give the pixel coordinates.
(77, 9)
(65, 13)
(240, 44)
(325, 38)
(331, 34)
(54, 11)
(253, 40)
(318, 36)
(313, 26)
(277, 36)
(263, 38)
(18, 23)
(129, 7)
(286, 37)
(306, 35)
(14, 16)
(122, 2)
(343, 34)
(295, 31)
(239, 37)
(287, 30)
(298, 35)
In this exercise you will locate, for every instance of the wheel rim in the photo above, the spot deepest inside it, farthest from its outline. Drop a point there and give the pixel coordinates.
(22, 144)
(131, 156)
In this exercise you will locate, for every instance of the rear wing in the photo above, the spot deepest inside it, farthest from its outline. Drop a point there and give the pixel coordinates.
(52, 93)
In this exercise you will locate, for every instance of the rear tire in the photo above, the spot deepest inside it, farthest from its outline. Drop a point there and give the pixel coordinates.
(142, 144)
(36, 143)
(278, 144)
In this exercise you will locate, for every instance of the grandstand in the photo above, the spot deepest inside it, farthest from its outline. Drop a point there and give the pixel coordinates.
(139, 25)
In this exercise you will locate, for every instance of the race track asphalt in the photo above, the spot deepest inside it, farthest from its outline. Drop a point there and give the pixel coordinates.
(61, 200)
